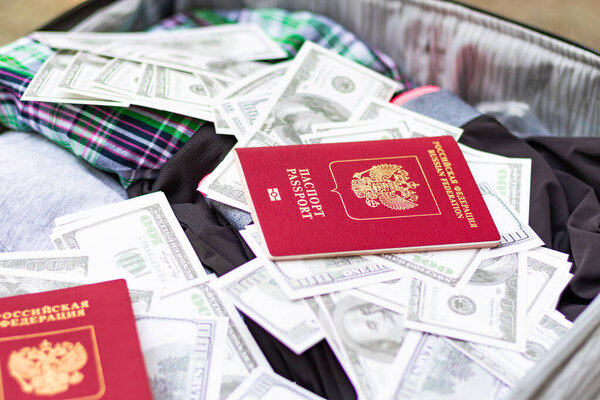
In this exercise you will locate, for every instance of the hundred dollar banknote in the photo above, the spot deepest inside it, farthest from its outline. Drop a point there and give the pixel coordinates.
(253, 291)
(320, 86)
(357, 131)
(376, 109)
(45, 84)
(183, 356)
(184, 49)
(510, 366)
(515, 233)
(545, 251)
(305, 278)
(71, 262)
(86, 213)
(392, 295)
(510, 177)
(223, 69)
(181, 87)
(78, 77)
(452, 268)
(153, 91)
(436, 370)
(137, 239)
(242, 102)
(369, 338)
(14, 283)
(267, 385)
(242, 354)
(490, 310)
(546, 279)
(120, 76)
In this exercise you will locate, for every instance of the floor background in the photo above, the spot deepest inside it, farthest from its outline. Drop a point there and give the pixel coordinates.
(577, 20)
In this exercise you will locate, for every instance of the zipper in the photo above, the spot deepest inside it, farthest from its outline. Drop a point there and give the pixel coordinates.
(527, 26)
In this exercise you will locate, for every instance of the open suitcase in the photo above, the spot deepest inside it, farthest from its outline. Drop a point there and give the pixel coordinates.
(480, 58)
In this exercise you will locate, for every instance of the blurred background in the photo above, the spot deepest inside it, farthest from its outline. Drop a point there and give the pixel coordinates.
(577, 20)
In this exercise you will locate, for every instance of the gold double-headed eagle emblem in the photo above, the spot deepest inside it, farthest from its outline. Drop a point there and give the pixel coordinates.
(48, 369)
(386, 184)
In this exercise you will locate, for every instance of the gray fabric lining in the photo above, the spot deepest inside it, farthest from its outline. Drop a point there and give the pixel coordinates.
(478, 57)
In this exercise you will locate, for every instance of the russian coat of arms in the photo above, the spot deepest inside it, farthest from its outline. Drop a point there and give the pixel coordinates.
(386, 184)
(48, 369)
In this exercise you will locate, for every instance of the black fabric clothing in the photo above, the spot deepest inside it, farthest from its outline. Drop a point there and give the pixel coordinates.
(178, 179)
(565, 212)
(565, 205)
(576, 164)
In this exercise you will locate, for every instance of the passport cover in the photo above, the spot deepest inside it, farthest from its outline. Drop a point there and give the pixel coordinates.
(338, 199)
(75, 343)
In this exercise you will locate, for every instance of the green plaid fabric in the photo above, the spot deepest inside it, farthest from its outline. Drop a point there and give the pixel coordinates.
(135, 142)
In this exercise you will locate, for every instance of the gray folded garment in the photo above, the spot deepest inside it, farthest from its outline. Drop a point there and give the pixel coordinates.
(40, 181)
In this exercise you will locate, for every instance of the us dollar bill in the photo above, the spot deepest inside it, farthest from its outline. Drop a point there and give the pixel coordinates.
(267, 385)
(242, 354)
(242, 102)
(515, 233)
(71, 262)
(421, 125)
(320, 86)
(452, 268)
(306, 278)
(241, 113)
(547, 252)
(262, 82)
(510, 366)
(369, 337)
(546, 279)
(253, 291)
(120, 76)
(490, 310)
(510, 177)
(392, 294)
(188, 48)
(45, 84)
(356, 132)
(183, 356)
(138, 239)
(16, 283)
(176, 86)
(153, 91)
(436, 370)
(221, 125)
(78, 77)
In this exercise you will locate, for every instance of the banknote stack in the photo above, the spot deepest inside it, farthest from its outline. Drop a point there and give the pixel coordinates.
(444, 324)
(194, 342)
(179, 71)
(447, 324)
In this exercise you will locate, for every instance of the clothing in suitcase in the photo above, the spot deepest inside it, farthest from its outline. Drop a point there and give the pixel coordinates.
(479, 59)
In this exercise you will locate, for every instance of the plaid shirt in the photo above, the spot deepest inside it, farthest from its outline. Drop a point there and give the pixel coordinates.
(135, 142)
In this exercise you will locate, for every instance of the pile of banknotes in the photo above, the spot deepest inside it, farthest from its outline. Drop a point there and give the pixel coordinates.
(181, 71)
(195, 343)
(446, 324)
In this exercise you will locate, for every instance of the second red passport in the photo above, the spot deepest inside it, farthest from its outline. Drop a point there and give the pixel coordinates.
(340, 199)
(76, 343)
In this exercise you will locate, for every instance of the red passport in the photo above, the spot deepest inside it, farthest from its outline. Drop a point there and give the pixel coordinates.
(75, 343)
(339, 199)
